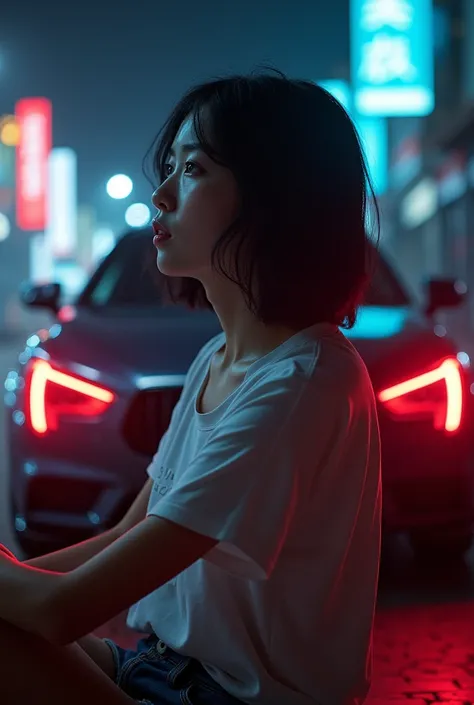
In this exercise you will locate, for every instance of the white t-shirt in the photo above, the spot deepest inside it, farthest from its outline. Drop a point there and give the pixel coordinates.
(285, 474)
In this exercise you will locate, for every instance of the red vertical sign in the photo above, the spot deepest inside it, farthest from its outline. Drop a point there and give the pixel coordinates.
(34, 117)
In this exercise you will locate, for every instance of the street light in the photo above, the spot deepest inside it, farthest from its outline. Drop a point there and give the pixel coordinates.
(119, 186)
(137, 215)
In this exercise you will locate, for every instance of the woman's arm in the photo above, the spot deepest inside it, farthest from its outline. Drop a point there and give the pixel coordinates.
(139, 562)
(68, 559)
(62, 607)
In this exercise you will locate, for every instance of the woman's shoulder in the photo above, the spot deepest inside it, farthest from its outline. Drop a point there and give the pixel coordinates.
(328, 366)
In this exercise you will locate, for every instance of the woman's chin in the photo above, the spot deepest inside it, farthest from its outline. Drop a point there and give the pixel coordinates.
(170, 268)
(173, 267)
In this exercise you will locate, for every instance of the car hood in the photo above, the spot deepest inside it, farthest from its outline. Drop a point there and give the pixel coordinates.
(137, 343)
(166, 343)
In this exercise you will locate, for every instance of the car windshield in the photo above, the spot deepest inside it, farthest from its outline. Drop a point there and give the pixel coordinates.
(128, 277)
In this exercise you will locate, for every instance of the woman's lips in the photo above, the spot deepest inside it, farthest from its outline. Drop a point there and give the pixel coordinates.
(161, 233)
(160, 238)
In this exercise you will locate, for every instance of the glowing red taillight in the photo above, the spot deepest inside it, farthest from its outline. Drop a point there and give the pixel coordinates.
(51, 394)
(437, 394)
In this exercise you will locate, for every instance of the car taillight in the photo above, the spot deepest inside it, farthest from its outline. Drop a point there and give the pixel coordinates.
(436, 394)
(51, 394)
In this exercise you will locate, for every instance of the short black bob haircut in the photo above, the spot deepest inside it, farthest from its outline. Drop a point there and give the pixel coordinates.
(305, 197)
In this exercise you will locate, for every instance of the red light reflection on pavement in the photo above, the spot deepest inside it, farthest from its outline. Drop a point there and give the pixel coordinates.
(423, 655)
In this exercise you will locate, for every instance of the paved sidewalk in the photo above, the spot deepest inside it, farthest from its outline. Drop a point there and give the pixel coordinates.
(423, 655)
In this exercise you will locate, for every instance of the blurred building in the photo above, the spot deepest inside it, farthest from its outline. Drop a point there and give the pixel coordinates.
(431, 167)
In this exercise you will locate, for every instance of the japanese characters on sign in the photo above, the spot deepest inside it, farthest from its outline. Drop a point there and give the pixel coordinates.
(34, 119)
(392, 57)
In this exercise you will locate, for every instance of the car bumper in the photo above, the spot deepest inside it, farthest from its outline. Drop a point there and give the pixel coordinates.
(63, 495)
(428, 476)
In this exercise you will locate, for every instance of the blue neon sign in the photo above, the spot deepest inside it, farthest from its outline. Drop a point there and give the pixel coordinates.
(392, 57)
(340, 90)
(374, 137)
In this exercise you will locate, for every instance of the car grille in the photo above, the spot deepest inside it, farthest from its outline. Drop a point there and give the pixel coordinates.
(148, 418)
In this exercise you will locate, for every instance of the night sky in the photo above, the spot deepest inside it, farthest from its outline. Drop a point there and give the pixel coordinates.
(114, 71)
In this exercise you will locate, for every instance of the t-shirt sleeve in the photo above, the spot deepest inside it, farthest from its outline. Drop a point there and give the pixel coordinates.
(243, 486)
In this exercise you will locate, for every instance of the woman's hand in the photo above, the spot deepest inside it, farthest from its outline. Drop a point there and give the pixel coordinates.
(28, 595)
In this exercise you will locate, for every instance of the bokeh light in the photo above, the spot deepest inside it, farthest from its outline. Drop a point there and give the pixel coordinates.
(9, 131)
(5, 227)
(119, 186)
(137, 215)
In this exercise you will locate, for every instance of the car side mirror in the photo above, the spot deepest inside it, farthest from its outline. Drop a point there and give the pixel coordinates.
(444, 293)
(41, 296)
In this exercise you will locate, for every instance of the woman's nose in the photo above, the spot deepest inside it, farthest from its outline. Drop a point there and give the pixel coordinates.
(162, 200)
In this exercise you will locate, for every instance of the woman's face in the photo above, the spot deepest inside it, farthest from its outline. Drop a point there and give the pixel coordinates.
(197, 202)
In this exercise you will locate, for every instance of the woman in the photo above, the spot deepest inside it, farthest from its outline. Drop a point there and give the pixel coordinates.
(250, 558)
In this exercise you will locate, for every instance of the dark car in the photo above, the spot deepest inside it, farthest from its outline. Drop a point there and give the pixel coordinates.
(93, 394)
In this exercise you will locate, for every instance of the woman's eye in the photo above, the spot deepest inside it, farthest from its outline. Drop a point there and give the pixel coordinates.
(191, 168)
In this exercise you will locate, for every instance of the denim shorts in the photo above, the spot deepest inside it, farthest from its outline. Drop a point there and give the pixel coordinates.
(154, 674)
